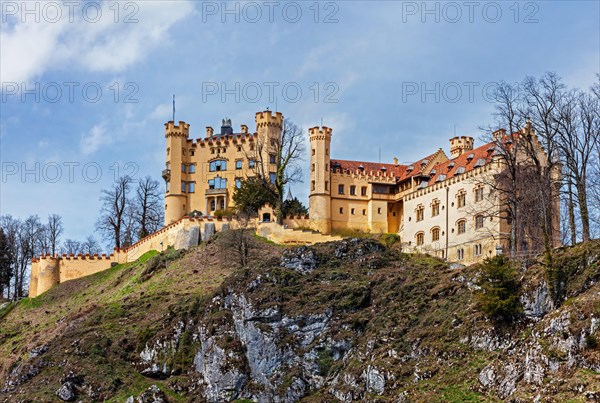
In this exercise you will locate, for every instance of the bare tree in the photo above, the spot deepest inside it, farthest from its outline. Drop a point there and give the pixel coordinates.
(71, 247)
(29, 246)
(113, 215)
(148, 206)
(6, 262)
(90, 246)
(284, 154)
(54, 229)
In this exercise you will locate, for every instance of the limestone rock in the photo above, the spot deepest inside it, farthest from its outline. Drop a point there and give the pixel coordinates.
(66, 392)
(302, 259)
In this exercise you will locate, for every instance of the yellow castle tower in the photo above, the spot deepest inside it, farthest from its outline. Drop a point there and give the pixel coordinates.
(175, 197)
(320, 181)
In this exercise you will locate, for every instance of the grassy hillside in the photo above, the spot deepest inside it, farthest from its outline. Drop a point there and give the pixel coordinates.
(349, 320)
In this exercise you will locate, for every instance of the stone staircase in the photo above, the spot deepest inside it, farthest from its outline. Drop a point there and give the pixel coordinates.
(288, 236)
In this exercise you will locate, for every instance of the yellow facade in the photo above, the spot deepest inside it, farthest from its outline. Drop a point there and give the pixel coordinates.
(438, 205)
(201, 174)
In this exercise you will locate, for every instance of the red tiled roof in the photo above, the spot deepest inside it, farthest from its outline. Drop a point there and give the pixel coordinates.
(353, 166)
(484, 153)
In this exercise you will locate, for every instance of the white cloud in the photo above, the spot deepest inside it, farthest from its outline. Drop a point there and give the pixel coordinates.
(30, 49)
(94, 139)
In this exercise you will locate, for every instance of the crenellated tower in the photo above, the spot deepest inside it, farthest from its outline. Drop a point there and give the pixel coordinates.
(175, 198)
(268, 127)
(320, 179)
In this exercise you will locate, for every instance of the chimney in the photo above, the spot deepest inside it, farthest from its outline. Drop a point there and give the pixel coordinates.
(226, 127)
(395, 161)
(209, 131)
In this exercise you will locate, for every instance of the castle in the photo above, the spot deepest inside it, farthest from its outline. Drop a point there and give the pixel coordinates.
(439, 204)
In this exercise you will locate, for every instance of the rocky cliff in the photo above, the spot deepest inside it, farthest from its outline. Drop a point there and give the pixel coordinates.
(351, 320)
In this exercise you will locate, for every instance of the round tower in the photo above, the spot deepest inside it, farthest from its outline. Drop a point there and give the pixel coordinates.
(268, 127)
(175, 197)
(320, 179)
(48, 274)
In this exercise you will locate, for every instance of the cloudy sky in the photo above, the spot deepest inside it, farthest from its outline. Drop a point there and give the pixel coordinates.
(87, 86)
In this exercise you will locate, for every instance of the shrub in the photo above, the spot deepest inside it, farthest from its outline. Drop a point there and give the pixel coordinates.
(390, 239)
(500, 288)
(224, 213)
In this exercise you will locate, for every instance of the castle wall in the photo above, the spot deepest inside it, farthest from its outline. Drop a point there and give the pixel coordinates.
(446, 193)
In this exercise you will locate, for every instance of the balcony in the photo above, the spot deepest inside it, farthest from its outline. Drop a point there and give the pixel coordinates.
(166, 174)
(214, 192)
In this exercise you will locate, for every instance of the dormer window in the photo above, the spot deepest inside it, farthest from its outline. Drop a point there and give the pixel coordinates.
(480, 162)
(433, 172)
(410, 168)
(470, 157)
(361, 167)
(460, 171)
(424, 162)
(451, 165)
(383, 169)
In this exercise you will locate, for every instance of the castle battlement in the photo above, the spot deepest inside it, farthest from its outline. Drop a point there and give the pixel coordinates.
(319, 132)
(236, 138)
(180, 130)
(267, 118)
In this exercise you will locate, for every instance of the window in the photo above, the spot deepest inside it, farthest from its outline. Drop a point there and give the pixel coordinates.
(217, 183)
(460, 254)
(238, 164)
(212, 150)
(222, 204)
(183, 186)
(191, 187)
(420, 212)
(218, 165)
(327, 151)
(435, 234)
(479, 194)
(182, 167)
(364, 212)
(477, 249)
(313, 151)
(167, 186)
(462, 198)
(341, 189)
(435, 208)
(251, 163)
(478, 221)
(192, 168)
(272, 158)
(352, 190)
(461, 226)
(251, 147)
(326, 185)
(363, 191)
(272, 177)
(213, 205)
(352, 211)
(192, 153)
(312, 167)
(168, 150)
(420, 238)
(341, 210)
(238, 183)
(326, 167)
(312, 186)
(379, 210)
(239, 149)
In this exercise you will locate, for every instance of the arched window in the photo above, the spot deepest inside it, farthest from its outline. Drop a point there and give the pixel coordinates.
(218, 165)
(461, 226)
(420, 238)
(461, 198)
(435, 234)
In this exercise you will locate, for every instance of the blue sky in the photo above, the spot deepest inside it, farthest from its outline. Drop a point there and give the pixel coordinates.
(390, 77)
